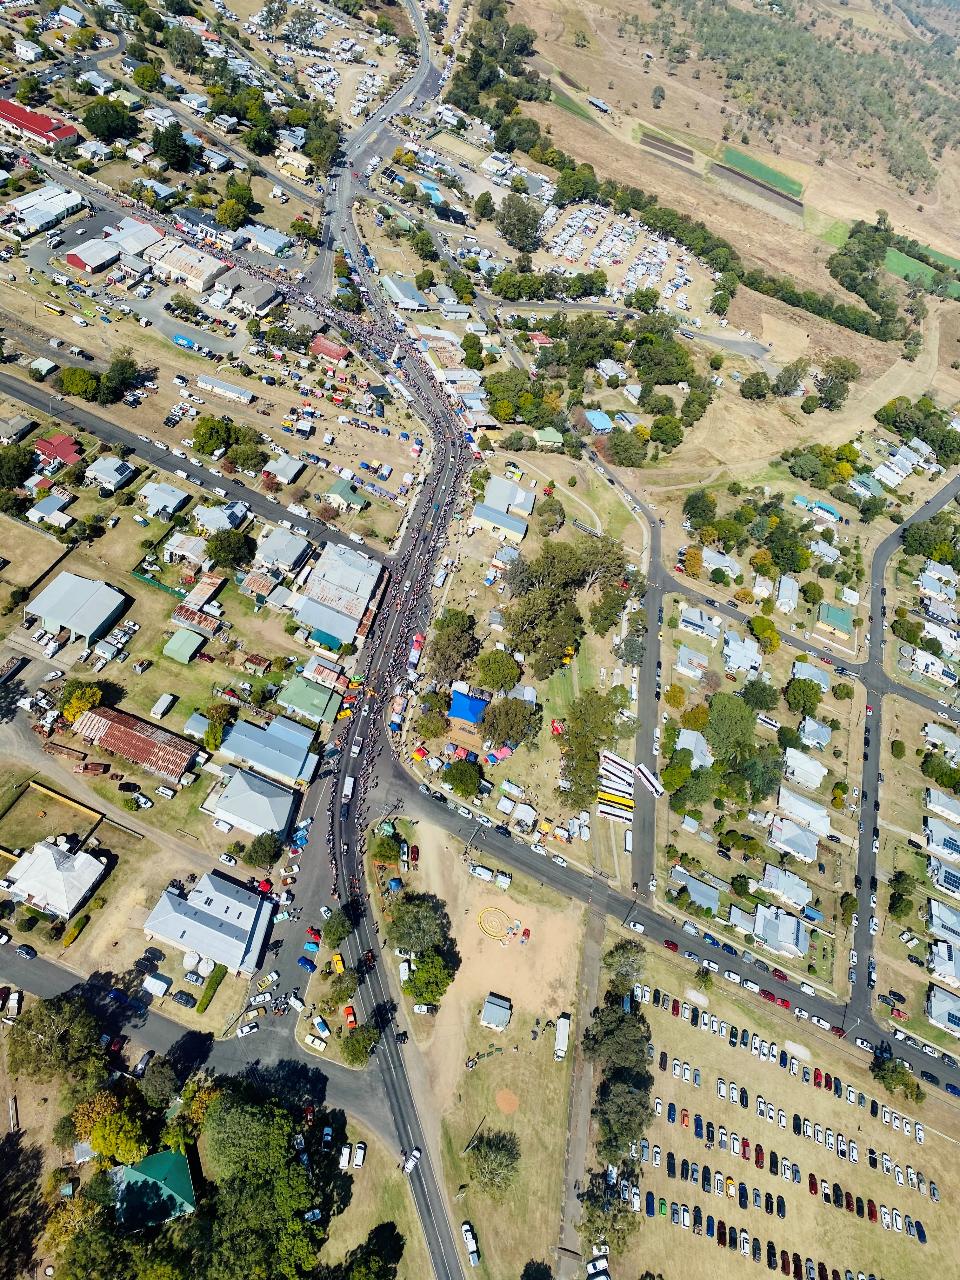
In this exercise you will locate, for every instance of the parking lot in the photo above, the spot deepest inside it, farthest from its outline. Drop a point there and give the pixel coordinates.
(773, 1153)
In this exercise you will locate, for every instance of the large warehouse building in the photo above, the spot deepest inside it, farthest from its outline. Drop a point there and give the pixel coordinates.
(93, 256)
(87, 609)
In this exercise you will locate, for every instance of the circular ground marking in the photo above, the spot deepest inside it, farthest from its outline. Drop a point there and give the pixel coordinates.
(494, 922)
(507, 1102)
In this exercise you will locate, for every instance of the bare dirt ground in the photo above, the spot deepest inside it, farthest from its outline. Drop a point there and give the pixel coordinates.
(516, 1084)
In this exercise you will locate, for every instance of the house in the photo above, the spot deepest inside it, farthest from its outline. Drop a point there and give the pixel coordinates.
(942, 805)
(26, 50)
(942, 572)
(328, 349)
(699, 623)
(110, 473)
(787, 885)
(54, 879)
(835, 620)
(600, 423)
(548, 438)
(283, 468)
(404, 295)
(942, 839)
(939, 736)
(934, 668)
(943, 1008)
(499, 522)
(334, 602)
(790, 838)
(719, 560)
(310, 700)
(943, 921)
(694, 742)
(691, 663)
(803, 769)
(804, 811)
(944, 962)
(84, 607)
(50, 510)
(507, 496)
(176, 263)
(99, 153)
(703, 895)
(344, 497)
(155, 750)
(186, 548)
(154, 1191)
(210, 520)
(40, 209)
(279, 549)
(266, 239)
(948, 639)
(945, 878)
(762, 587)
(254, 804)
(496, 1012)
(16, 427)
(866, 486)
(775, 928)
(161, 501)
(807, 671)
(218, 919)
(280, 749)
(741, 653)
(813, 734)
(824, 551)
(930, 585)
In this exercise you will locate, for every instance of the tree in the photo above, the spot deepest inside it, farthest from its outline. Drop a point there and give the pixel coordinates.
(730, 729)
(755, 387)
(896, 1078)
(147, 77)
(765, 633)
(657, 96)
(483, 206)
(518, 221)
(740, 884)
(420, 923)
(693, 561)
(512, 720)
(92, 1110)
(120, 1135)
(230, 548)
(171, 146)
(430, 979)
(788, 380)
(625, 964)
(357, 1045)
(898, 749)
(496, 670)
(337, 929)
(464, 777)
(802, 696)
(452, 645)
(432, 724)
(230, 213)
(812, 592)
(842, 692)
(494, 1159)
(615, 1038)
(833, 384)
(108, 120)
(264, 849)
(28, 90)
(759, 695)
(16, 463)
(159, 1084)
(674, 696)
(185, 48)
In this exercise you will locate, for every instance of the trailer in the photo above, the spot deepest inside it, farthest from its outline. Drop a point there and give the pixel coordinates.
(58, 749)
(563, 1037)
(181, 340)
(91, 766)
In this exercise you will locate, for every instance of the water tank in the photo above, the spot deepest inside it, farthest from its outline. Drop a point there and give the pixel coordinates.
(190, 961)
(205, 967)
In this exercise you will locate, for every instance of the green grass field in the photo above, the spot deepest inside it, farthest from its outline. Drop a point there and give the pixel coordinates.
(754, 168)
(943, 257)
(572, 105)
(898, 264)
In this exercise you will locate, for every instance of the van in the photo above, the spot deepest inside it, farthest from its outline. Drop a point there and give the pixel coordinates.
(806, 988)
(221, 493)
(296, 1003)
(356, 748)
(355, 537)
(80, 321)
(181, 474)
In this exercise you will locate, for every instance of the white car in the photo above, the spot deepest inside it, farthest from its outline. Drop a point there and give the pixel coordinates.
(410, 1163)
(228, 859)
(359, 1155)
(248, 1029)
(52, 675)
(473, 1253)
(635, 925)
(346, 1151)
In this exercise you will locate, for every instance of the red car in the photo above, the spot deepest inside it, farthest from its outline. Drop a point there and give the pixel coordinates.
(670, 944)
(675, 1008)
(350, 1016)
(899, 1015)
(780, 975)
(783, 1002)
(817, 1078)
(839, 1033)
(813, 1184)
(685, 1118)
(117, 1043)
(848, 1202)
(314, 934)
(308, 1113)
(758, 1156)
(414, 853)
(745, 1148)
(871, 1210)
(828, 1082)
(768, 995)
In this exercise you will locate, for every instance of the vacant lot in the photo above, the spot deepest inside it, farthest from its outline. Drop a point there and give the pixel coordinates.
(516, 1085)
(379, 1197)
(37, 814)
(29, 553)
(810, 1228)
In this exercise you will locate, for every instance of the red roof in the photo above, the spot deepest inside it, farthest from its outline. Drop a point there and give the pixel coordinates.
(59, 448)
(322, 346)
(156, 750)
(195, 620)
(36, 125)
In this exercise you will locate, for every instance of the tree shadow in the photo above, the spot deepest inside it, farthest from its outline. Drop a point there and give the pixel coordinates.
(9, 693)
(190, 1053)
(291, 1082)
(384, 1244)
(21, 1206)
(536, 1271)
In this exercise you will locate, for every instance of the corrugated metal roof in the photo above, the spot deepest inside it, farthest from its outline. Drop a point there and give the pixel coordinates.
(154, 749)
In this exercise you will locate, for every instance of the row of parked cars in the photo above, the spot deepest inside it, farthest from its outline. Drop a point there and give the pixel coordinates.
(717, 1182)
(890, 1219)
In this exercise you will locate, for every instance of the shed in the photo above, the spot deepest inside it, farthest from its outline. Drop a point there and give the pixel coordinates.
(496, 1012)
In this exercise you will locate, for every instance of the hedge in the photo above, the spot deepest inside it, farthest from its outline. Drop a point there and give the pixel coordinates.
(210, 990)
(75, 930)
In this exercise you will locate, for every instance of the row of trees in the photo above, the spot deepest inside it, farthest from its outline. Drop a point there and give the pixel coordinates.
(121, 375)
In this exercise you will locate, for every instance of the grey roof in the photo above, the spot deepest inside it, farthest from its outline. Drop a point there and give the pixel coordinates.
(803, 769)
(84, 606)
(215, 519)
(943, 1007)
(219, 919)
(110, 471)
(284, 468)
(281, 548)
(814, 733)
(280, 749)
(496, 1012)
(694, 742)
(787, 885)
(807, 812)
(781, 931)
(500, 519)
(507, 495)
(703, 894)
(54, 879)
(942, 838)
(944, 920)
(160, 497)
(788, 836)
(254, 803)
(788, 594)
(807, 671)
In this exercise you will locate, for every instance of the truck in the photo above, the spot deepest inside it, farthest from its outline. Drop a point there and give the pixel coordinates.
(563, 1037)
(416, 650)
(481, 872)
(348, 790)
(181, 340)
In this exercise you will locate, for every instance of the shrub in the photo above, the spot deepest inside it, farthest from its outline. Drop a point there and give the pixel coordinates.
(75, 930)
(210, 990)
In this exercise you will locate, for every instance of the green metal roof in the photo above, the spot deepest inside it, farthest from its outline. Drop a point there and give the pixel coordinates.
(182, 645)
(833, 615)
(158, 1188)
(313, 701)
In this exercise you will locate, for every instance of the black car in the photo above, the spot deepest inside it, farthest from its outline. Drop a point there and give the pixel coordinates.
(781, 1207)
(743, 1196)
(774, 1164)
(656, 997)
(744, 1039)
(662, 1064)
(761, 965)
(929, 1077)
(185, 998)
(694, 1017)
(768, 1203)
(726, 947)
(874, 1108)
(744, 1098)
(897, 996)
(858, 1205)
(710, 1132)
(732, 1038)
(705, 1179)
(872, 1158)
(756, 1249)
(771, 1256)
(837, 1196)
(797, 1125)
(784, 1059)
(26, 952)
(671, 1165)
(684, 1170)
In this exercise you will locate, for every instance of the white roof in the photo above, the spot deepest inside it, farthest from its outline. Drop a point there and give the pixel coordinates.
(80, 604)
(254, 803)
(803, 769)
(219, 919)
(804, 811)
(55, 880)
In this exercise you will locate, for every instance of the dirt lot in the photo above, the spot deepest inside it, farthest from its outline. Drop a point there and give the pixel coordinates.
(379, 1194)
(37, 814)
(810, 1227)
(516, 1084)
